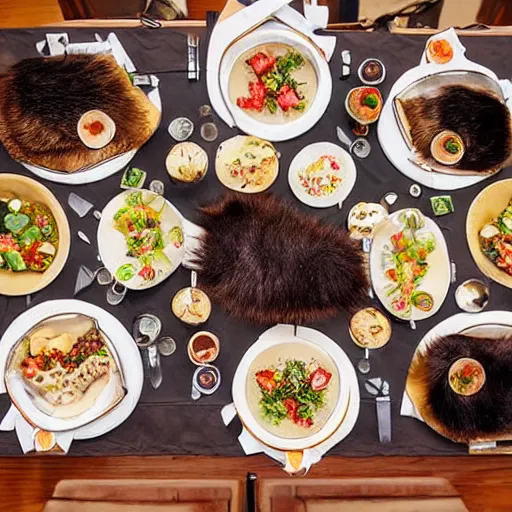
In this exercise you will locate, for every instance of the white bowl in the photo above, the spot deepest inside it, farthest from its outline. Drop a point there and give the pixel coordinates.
(274, 33)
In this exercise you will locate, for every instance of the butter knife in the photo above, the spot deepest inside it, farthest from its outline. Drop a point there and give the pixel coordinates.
(380, 389)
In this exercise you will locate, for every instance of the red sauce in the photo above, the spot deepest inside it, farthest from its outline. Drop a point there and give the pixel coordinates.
(94, 128)
(204, 348)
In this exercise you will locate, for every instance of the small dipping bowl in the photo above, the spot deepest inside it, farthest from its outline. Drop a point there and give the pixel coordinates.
(471, 366)
(371, 72)
(472, 296)
(44, 441)
(192, 306)
(370, 328)
(96, 129)
(357, 95)
(442, 155)
(203, 348)
(207, 379)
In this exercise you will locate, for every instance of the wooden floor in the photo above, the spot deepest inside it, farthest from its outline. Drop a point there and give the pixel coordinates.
(484, 483)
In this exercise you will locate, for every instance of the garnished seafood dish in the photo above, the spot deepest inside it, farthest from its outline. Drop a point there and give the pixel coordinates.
(247, 164)
(29, 238)
(273, 83)
(447, 148)
(466, 376)
(65, 364)
(496, 240)
(369, 328)
(439, 51)
(364, 104)
(405, 264)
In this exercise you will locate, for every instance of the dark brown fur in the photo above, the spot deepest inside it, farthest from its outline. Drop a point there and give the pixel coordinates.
(42, 99)
(265, 262)
(479, 118)
(487, 412)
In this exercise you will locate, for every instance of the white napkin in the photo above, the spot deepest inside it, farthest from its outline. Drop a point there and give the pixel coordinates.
(193, 234)
(13, 420)
(409, 409)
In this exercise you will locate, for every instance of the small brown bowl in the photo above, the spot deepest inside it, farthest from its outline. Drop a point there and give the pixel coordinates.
(208, 354)
(458, 366)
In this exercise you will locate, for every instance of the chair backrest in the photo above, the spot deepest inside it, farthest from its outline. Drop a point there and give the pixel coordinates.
(358, 495)
(146, 496)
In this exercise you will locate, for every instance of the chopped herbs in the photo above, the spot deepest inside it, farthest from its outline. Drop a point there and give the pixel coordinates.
(133, 178)
(442, 205)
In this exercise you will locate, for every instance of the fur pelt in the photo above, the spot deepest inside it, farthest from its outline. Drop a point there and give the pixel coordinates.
(42, 99)
(479, 118)
(481, 415)
(265, 262)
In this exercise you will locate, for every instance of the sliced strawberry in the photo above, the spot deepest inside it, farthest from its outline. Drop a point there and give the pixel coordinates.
(291, 406)
(287, 98)
(266, 380)
(256, 99)
(303, 422)
(261, 63)
(147, 273)
(320, 379)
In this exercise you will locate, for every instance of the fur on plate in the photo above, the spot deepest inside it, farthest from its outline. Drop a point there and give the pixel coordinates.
(42, 100)
(265, 262)
(478, 117)
(483, 415)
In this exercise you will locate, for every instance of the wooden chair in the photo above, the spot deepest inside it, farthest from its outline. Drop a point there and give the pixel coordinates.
(146, 496)
(358, 495)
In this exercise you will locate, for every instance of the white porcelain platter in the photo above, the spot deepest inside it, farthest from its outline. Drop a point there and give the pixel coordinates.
(99, 171)
(388, 130)
(339, 413)
(309, 155)
(273, 32)
(436, 282)
(127, 351)
(112, 244)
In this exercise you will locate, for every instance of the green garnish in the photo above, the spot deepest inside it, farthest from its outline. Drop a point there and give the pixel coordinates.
(125, 272)
(133, 178)
(452, 145)
(442, 205)
(371, 100)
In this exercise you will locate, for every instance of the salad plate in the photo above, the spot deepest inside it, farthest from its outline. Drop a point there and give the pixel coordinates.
(322, 175)
(297, 108)
(271, 413)
(489, 231)
(34, 236)
(124, 351)
(140, 238)
(409, 265)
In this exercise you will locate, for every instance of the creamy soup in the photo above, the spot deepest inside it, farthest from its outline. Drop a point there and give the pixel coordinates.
(276, 358)
(242, 74)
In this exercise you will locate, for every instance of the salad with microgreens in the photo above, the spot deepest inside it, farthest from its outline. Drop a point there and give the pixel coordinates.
(405, 263)
(140, 224)
(296, 391)
(275, 88)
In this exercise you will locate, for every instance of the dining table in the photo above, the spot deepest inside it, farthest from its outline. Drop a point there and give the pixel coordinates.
(167, 421)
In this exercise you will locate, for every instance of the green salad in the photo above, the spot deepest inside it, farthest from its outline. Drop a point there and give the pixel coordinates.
(296, 391)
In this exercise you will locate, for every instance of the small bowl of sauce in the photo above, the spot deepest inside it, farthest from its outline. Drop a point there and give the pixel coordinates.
(466, 376)
(207, 379)
(371, 72)
(203, 347)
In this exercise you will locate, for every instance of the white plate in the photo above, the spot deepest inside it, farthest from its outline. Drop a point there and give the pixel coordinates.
(338, 415)
(126, 348)
(112, 244)
(437, 279)
(390, 137)
(275, 33)
(100, 171)
(310, 154)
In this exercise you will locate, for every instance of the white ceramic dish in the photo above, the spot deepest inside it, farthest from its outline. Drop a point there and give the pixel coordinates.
(112, 244)
(388, 130)
(124, 344)
(437, 279)
(276, 33)
(98, 172)
(332, 351)
(310, 154)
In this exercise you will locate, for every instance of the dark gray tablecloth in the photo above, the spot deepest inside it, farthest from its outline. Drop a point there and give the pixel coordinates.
(167, 421)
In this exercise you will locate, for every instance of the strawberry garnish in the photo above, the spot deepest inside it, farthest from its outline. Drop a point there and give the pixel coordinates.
(261, 63)
(287, 98)
(266, 380)
(256, 99)
(320, 379)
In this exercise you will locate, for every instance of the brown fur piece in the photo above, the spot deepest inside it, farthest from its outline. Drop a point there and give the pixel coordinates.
(265, 262)
(42, 99)
(484, 415)
(478, 117)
